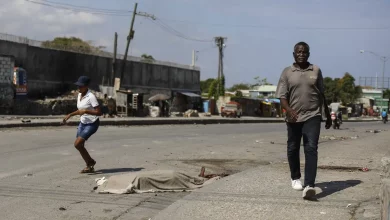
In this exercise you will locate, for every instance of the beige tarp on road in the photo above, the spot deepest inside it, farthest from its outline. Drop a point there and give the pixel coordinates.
(151, 181)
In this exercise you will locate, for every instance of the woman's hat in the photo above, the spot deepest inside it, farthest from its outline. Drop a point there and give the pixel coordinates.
(83, 81)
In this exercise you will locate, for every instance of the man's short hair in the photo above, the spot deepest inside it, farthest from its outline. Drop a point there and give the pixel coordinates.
(302, 44)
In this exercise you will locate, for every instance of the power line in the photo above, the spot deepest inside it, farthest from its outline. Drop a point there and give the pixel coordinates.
(274, 27)
(117, 12)
(78, 10)
(176, 33)
(85, 7)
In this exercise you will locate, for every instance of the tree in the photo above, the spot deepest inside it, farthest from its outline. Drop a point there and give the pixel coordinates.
(240, 86)
(216, 88)
(260, 81)
(205, 85)
(147, 58)
(348, 91)
(386, 94)
(342, 90)
(239, 94)
(213, 93)
(72, 44)
(331, 89)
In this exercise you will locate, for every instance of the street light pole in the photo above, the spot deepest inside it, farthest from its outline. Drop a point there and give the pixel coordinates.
(382, 58)
(383, 72)
(194, 57)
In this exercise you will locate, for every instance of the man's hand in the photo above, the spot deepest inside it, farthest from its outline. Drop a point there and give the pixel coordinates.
(66, 119)
(292, 114)
(328, 123)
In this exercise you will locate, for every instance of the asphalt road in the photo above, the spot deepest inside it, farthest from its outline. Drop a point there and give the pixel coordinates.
(39, 168)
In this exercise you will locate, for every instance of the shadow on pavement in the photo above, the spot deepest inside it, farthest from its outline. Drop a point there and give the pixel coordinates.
(328, 188)
(118, 170)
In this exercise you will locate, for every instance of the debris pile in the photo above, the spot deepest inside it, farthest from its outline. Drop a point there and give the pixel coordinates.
(176, 114)
(50, 106)
(373, 131)
(333, 138)
(191, 113)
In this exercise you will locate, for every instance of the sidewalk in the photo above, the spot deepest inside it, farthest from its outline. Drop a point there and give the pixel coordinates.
(53, 121)
(10, 121)
(265, 192)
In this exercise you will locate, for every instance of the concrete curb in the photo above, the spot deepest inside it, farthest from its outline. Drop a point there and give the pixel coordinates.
(149, 122)
(144, 122)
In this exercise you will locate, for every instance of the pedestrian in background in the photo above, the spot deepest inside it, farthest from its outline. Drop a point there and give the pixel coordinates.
(89, 111)
(301, 92)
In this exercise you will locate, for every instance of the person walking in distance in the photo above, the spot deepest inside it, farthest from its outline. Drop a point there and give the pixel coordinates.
(301, 93)
(89, 111)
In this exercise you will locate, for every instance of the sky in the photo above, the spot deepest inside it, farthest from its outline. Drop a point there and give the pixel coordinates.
(260, 34)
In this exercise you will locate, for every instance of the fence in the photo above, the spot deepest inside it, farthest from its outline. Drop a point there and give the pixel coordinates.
(374, 82)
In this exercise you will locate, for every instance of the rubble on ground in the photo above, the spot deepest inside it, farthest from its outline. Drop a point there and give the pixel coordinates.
(154, 111)
(333, 138)
(176, 114)
(206, 114)
(50, 106)
(373, 131)
(191, 113)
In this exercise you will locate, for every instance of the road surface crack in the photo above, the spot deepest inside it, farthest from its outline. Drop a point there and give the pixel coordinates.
(132, 207)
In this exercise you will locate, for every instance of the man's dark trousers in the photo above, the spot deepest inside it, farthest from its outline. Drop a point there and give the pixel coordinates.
(310, 131)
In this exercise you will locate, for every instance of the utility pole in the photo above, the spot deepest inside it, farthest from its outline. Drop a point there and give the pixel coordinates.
(112, 80)
(384, 60)
(220, 42)
(130, 37)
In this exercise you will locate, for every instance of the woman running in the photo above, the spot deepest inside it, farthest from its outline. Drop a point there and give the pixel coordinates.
(89, 111)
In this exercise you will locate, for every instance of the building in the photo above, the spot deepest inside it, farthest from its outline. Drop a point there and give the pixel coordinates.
(263, 91)
(245, 93)
(373, 98)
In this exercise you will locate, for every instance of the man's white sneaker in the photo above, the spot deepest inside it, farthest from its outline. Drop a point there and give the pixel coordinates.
(296, 184)
(308, 193)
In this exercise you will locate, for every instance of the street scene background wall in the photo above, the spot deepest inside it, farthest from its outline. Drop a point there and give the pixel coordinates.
(52, 72)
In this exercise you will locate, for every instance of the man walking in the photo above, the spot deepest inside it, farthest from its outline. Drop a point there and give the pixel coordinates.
(301, 93)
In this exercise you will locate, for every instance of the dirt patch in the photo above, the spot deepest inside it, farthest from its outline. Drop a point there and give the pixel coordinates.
(227, 166)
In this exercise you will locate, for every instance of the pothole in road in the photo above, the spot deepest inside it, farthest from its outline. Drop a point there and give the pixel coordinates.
(227, 166)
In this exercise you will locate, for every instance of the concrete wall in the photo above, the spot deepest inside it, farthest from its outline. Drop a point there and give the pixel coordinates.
(6, 84)
(52, 72)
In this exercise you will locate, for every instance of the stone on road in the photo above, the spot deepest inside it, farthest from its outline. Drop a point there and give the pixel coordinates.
(39, 176)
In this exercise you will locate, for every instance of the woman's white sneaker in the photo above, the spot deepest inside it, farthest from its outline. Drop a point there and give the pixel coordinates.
(296, 184)
(308, 193)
